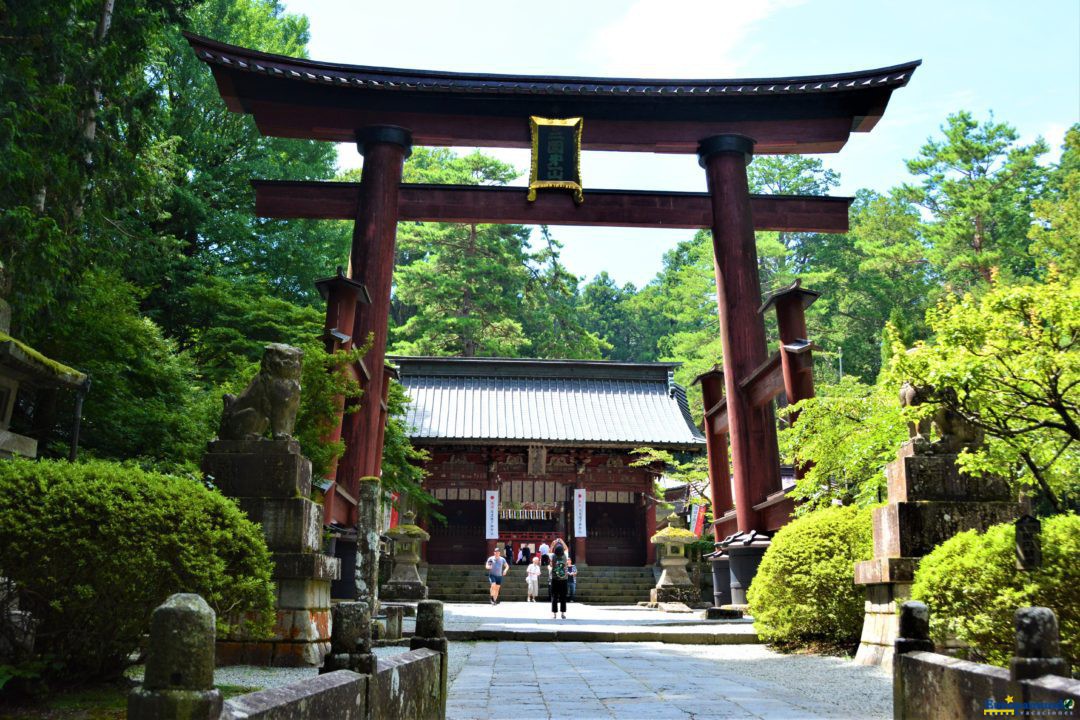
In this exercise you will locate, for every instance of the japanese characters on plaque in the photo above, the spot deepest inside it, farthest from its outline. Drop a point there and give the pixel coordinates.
(556, 155)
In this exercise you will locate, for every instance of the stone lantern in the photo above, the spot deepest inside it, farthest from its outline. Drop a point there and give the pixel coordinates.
(674, 584)
(404, 582)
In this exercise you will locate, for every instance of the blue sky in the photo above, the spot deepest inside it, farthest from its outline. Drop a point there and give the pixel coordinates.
(1020, 61)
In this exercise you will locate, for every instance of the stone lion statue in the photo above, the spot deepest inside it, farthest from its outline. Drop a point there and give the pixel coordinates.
(955, 431)
(269, 402)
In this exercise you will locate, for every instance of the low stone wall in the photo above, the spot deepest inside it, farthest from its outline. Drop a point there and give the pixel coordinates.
(929, 685)
(408, 687)
(341, 695)
(179, 678)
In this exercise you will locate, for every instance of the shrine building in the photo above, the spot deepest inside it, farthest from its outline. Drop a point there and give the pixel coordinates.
(536, 431)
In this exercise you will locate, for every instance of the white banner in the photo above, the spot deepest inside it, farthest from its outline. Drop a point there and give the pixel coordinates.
(696, 516)
(491, 505)
(579, 512)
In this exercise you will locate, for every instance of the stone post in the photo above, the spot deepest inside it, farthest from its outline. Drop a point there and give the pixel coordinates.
(367, 539)
(430, 634)
(179, 679)
(913, 635)
(350, 641)
(1038, 650)
(930, 500)
(914, 630)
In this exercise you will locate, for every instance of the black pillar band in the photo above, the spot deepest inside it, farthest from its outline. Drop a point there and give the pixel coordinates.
(725, 143)
(384, 134)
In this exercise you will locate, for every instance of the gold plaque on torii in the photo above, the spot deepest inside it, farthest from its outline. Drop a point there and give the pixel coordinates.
(556, 155)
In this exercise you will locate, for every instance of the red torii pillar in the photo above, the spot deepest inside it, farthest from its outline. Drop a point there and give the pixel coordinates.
(712, 392)
(372, 262)
(754, 450)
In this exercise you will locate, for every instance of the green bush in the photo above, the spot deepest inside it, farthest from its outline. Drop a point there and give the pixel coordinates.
(973, 587)
(804, 591)
(93, 548)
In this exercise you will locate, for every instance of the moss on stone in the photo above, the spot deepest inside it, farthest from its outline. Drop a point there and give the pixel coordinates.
(408, 531)
(65, 374)
(674, 535)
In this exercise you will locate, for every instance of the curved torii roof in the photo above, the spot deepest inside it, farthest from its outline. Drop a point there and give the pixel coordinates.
(295, 97)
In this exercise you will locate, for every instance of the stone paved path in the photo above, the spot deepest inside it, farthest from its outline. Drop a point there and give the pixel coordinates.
(533, 621)
(654, 681)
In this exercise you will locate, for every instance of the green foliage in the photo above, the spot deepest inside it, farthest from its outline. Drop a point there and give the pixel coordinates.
(1012, 356)
(804, 590)
(978, 184)
(462, 285)
(93, 548)
(145, 401)
(973, 588)
(402, 470)
(323, 386)
(1057, 214)
(844, 437)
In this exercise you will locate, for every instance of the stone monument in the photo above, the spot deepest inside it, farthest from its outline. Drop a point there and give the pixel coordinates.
(271, 482)
(405, 582)
(930, 500)
(674, 585)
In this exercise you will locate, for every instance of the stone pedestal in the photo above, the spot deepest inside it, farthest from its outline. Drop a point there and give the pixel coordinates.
(929, 502)
(744, 550)
(405, 582)
(271, 482)
(721, 577)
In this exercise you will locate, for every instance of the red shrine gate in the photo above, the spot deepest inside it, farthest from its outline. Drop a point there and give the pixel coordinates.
(722, 122)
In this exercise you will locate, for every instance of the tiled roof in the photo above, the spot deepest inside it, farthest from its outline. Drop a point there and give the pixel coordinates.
(558, 402)
(397, 79)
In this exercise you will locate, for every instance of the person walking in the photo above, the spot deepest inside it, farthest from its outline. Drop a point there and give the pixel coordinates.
(521, 557)
(532, 579)
(557, 578)
(571, 580)
(543, 550)
(497, 567)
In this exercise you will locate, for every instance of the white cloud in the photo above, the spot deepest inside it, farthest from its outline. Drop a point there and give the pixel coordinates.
(681, 38)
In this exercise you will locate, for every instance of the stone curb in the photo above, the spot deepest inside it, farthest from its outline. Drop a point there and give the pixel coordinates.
(569, 635)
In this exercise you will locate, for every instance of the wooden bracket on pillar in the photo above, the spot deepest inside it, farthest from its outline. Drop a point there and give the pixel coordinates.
(343, 295)
(384, 134)
(725, 144)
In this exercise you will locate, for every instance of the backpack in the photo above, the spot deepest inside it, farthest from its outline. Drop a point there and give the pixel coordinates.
(559, 568)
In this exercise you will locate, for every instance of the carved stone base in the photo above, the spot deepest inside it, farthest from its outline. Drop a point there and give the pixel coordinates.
(881, 624)
(403, 591)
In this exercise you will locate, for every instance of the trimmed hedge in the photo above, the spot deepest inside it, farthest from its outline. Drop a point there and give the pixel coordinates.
(804, 591)
(973, 588)
(94, 547)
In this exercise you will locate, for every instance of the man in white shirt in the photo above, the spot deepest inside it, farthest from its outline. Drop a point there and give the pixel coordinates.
(544, 550)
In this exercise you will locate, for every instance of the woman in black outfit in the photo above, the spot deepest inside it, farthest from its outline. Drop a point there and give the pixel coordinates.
(558, 585)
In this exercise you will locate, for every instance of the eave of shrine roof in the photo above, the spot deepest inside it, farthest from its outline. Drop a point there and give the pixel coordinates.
(495, 400)
(397, 79)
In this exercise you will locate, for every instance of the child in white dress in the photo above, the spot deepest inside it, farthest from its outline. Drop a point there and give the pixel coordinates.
(532, 579)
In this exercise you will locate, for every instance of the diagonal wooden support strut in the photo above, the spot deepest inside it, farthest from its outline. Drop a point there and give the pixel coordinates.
(508, 206)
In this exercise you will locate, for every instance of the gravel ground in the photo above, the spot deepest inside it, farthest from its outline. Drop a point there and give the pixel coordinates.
(261, 678)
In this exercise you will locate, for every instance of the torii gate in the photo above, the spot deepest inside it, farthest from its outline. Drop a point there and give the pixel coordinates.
(723, 122)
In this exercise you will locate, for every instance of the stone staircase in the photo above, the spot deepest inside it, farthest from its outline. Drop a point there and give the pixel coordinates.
(596, 585)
